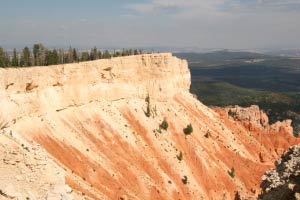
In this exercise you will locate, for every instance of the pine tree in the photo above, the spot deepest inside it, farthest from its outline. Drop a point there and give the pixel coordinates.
(93, 54)
(55, 57)
(123, 52)
(130, 52)
(70, 55)
(85, 56)
(117, 54)
(40, 55)
(15, 59)
(61, 56)
(106, 54)
(2, 63)
(4, 58)
(25, 58)
(52, 57)
(75, 56)
(47, 58)
(99, 54)
(36, 52)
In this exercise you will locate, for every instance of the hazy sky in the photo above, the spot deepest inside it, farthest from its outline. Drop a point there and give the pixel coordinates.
(130, 23)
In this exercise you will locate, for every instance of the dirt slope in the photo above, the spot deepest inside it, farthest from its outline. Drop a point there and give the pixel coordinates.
(90, 118)
(27, 173)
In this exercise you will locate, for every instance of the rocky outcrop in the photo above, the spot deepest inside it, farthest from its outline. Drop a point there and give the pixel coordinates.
(92, 120)
(282, 126)
(255, 119)
(283, 182)
(251, 116)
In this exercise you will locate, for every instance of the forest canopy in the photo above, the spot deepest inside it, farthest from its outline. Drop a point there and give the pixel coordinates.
(40, 55)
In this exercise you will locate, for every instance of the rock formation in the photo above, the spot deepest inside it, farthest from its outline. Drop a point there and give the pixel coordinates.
(283, 182)
(255, 119)
(95, 121)
(252, 116)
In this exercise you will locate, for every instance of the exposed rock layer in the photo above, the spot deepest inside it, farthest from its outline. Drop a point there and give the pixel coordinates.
(90, 118)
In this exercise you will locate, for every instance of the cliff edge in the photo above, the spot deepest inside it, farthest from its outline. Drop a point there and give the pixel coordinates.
(101, 123)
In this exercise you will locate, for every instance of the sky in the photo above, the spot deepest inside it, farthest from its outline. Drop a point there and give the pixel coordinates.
(231, 24)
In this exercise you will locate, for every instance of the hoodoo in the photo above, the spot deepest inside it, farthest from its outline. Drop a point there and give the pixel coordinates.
(93, 130)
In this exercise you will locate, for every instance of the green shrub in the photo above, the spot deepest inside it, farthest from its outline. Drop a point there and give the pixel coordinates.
(188, 130)
(231, 114)
(207, 134)
(179, 156)
(184, 180)
(147, 99)
(148, 110)
(164, 125)
(232, 172)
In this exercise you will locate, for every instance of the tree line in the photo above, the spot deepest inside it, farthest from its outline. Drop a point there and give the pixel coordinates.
(43, 56)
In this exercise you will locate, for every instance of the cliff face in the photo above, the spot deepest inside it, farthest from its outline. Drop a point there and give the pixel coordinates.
(90, 118)
(36, 89)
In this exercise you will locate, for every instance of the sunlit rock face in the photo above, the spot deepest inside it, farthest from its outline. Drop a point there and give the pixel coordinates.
(94, 122)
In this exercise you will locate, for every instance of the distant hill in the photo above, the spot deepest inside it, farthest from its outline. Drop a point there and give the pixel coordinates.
(220, 56)
(284, 52)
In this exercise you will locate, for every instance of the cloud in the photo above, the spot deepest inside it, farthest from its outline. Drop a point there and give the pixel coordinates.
(202, 23)
(220, 23)
(154, 8)
(173, 7)
(258, 6)
(193, 8)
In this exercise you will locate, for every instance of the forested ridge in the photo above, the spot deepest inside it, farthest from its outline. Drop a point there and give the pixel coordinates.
(40, 55)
